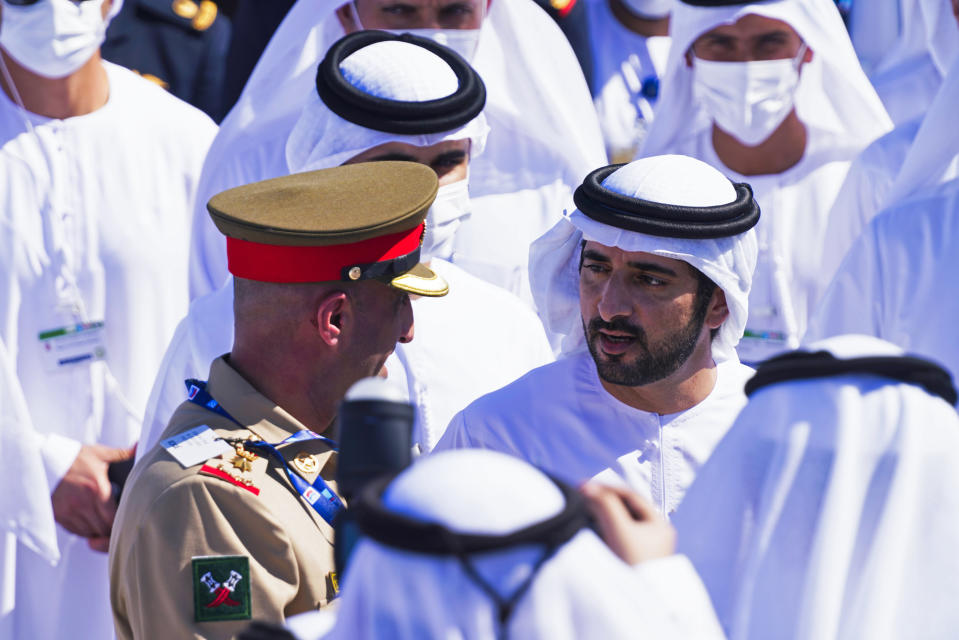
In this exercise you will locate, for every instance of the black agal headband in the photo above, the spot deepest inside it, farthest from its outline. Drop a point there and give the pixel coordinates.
(665, 220)
(398, 116)
(398, 531)
(802, 365)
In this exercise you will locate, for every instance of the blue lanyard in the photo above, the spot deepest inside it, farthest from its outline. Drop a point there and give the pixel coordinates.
(319, 495)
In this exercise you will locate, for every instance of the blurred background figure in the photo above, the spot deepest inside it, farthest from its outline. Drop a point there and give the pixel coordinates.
(630, 46)
(901, 161)
(906, 47)
(830, 508)
(179, 44)
(479, 545)
(770, 93)
(98, 169)
(573, 18)
(253, 22)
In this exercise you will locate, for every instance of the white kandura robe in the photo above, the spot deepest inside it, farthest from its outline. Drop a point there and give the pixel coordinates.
(830, 510)
(105, 198)
(898, 281)
(622, 60)
(470, 342)
(26, 514)
(561, 419)
(795, 207)
(864, 192)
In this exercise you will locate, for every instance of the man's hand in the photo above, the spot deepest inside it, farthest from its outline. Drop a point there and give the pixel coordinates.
(629, 525)
(83, 501)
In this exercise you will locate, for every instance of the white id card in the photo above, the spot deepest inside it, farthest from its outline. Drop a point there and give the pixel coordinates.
(73, 345)
(195, 445)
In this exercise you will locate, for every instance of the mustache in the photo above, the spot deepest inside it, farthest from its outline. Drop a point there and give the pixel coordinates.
(618, 324)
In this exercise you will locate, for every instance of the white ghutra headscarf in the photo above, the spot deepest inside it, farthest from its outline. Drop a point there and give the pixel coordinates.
(830, 510)
(677, 180)
(833, 94)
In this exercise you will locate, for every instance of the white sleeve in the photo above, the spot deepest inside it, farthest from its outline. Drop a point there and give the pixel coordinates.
(58, 453)
(168, 390)
(455, 436)
(853, 301)
(685, 600)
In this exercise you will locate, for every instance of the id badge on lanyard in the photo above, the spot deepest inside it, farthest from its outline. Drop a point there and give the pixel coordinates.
(318, 494)
(84, 340)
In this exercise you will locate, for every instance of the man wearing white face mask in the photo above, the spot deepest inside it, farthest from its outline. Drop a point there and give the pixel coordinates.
(545, 135)
(481, 338)
(630, 44)
(98, 168)
(771, 93)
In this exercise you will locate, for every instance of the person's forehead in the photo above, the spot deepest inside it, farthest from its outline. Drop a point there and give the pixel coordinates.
(750, 26)
(637, 257)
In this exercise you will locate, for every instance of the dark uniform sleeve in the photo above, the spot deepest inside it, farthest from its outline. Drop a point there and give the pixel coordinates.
(179, 44)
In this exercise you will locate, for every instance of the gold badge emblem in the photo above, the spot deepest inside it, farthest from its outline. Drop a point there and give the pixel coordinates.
(185, 8)
(243, 460)
(306, 463)
(205, 15)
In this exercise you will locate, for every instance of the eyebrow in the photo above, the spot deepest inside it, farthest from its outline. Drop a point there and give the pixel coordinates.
(655, 268)
(456, 154)
(393, 156)
(596, 256)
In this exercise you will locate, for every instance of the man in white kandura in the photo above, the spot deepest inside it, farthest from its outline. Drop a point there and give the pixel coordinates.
(830, 511)
(913, 62)
(479, 545)
(895, 282)
(545, 135)
(630, 45)
(98, 169)
(770, 93)
(482, 337)
(648, 283)
(921, 152)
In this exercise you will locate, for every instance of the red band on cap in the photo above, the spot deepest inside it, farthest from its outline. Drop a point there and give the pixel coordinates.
(281, 263)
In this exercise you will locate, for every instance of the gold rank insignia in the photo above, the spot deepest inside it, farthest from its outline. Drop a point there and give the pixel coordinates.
(306, 463)
(205, 15)
(243, 460)
(185, 9)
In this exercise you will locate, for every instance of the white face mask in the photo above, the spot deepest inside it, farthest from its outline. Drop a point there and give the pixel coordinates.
(462, 41)
(53, 38)
(451, 206)
(650, 8)
(748, 100)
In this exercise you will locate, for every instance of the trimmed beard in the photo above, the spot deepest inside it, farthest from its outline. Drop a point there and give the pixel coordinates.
(653, 364)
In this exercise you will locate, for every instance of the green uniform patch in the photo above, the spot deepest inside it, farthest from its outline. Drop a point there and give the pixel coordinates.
(221, 588)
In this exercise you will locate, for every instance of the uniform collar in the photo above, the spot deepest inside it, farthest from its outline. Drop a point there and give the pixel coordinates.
(248, 406)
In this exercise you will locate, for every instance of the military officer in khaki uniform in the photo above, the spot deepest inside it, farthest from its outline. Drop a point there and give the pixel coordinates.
(229, 517)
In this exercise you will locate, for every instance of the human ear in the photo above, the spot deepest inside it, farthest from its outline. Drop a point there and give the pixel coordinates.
(718, 310)
(333, 313)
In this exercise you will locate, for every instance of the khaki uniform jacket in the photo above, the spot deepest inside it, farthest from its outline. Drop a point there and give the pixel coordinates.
(197, 551)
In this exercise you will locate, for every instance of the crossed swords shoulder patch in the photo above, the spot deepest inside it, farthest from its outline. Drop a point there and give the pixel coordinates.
(221, 588)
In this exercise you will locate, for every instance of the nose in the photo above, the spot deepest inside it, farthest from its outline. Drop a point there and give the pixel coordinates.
(614, 301)
(406, 322)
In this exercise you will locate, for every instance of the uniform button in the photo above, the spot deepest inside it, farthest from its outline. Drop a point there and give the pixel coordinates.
(355, 273)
